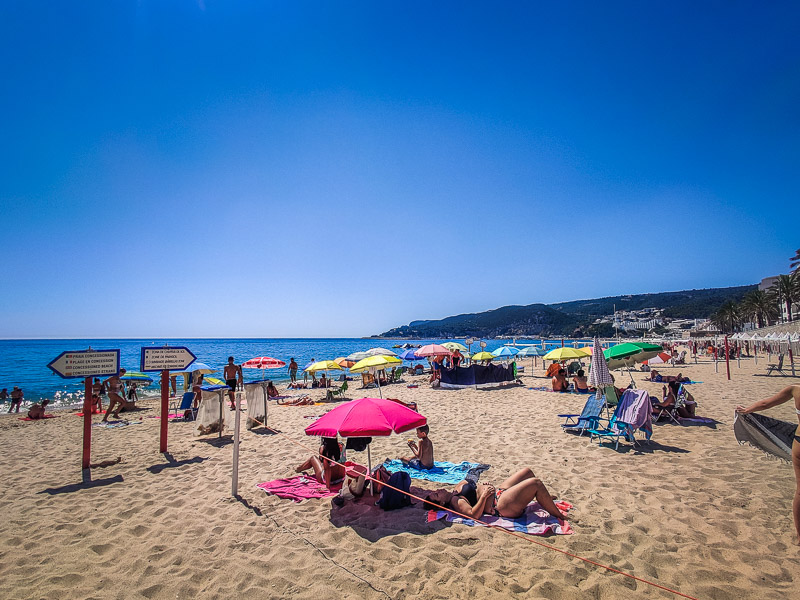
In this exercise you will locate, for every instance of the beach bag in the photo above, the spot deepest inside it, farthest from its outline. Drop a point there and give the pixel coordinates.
(392, 499)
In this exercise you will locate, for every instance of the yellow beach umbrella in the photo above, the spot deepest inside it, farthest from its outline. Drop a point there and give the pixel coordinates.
(587, 349)
(324, 365)
(565, 353)
(453, 346)
(483, 356)
(376, 363)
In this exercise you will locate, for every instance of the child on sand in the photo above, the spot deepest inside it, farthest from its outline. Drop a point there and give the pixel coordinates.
(423, 453)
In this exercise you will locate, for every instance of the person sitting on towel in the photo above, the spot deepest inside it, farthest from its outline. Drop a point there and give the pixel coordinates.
(509, 500)
(581, 384)
(37, 410)
(788, 394)
(326, 466)
(560, 383)
(670, 395)
(423, 453)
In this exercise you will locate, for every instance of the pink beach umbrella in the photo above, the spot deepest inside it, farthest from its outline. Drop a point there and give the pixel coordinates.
(433, 350)
(263, 362)
(367, 417)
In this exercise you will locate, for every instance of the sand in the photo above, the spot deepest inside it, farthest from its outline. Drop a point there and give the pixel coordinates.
(692, 510)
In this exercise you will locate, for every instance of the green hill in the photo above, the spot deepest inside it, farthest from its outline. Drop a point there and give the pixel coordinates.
(573, 318)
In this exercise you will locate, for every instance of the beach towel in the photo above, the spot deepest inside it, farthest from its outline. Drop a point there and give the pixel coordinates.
(94, 412)
(535, 520)
(300, 487)
(44, 417)
(635, 410)
(772, 436)
(442, 472)
(115, 424)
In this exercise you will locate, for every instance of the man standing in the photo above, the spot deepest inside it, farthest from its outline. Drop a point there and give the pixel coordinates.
(233, 377)
(16, 398)
(293, 370)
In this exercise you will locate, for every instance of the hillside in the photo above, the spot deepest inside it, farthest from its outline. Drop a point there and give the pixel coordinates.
(573, 318)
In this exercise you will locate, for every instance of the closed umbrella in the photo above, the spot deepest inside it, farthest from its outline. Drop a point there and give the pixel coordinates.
(599, 375)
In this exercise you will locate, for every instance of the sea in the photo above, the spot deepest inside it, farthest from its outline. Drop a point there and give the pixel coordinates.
(24, 362)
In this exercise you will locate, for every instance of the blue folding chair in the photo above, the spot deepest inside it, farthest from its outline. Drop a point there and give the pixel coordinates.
(589, 417)
(186, 403)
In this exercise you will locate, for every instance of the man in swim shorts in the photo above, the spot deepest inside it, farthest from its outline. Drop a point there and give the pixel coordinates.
(16, 398)
(233, 377)
(293, 370)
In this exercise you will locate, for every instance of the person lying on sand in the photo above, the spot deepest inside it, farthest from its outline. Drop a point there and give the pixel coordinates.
(509, 500)
(659, 378)
(787, 394)
(305, 400)
(325, 465)
(296, 385)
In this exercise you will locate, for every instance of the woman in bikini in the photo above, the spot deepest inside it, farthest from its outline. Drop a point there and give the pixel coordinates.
(509, 500)
(785, 395)
(326, 467)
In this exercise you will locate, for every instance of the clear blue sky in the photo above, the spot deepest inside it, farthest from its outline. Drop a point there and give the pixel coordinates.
(218, 168)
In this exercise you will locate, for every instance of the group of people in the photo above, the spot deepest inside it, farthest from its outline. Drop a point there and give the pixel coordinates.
(579, 382)
(16, 398)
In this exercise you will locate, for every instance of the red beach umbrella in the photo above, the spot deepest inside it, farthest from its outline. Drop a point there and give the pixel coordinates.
(263, 362)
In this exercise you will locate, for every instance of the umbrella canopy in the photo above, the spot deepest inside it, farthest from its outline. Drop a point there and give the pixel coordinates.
(324, 365)
(213, 381)
(263, 362)
(366, 417)
(357, 356)
(343, 362)
(565, 353)
(599, 376)
(648, 347)
(453, 346)
(483, 356)
(195, 367)
(505, 351)
(433, 350)
(628, 353)
(532, 351)
(375, 362)
(409, 355)
(136, 376)
(622, 351)
(658, 359)
(588, 349)
(380, 352)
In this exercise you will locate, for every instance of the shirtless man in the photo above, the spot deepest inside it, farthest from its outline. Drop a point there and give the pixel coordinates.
(560, 383)
(16, 398)
(233, 377)
(114, 386)
(787, 394)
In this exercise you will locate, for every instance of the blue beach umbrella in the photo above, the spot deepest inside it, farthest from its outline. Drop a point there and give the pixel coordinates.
(409, 355)
(505, 351)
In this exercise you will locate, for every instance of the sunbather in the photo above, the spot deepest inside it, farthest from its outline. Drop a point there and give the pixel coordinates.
(325, 465)
(296, 385)
(509, 500)
(303, 401)
(581, 383)
(272, 391)
(37, 410)
(659, 378)
(560, 383)
(669, 399)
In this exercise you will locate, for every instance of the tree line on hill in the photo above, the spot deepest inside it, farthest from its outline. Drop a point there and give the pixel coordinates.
(762, 307)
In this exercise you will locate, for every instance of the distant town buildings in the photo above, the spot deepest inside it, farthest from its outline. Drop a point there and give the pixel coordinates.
(646, 320)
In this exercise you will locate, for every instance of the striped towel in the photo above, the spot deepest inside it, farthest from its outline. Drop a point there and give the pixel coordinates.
(535, 520)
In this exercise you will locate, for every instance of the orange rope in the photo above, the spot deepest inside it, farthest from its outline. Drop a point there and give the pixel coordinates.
(514, 533)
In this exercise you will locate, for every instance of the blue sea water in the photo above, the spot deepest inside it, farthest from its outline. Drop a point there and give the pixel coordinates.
(24, 362)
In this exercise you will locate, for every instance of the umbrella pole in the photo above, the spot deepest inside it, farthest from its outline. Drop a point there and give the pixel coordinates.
(369, 465)
(378, 381)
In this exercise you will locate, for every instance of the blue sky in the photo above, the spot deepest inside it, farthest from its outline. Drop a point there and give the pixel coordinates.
(226, 169)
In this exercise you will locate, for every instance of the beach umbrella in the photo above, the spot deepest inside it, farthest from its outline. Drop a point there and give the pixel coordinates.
(659, 359)
(380, 352)
(588, 349)
(505, 351)
(533, 352)
(263, 362)
(483, 356)
(409, 355)
(564, 353)
(357, 356)
(196, 368)
(374, 364)
(324, 365)
(137, 377)
(453, 346)
(599, 375)
(367, 417)
(433, 350)
(343, 362)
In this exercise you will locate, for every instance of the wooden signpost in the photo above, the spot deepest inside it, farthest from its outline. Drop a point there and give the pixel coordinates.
(164, 359)
(86, 364)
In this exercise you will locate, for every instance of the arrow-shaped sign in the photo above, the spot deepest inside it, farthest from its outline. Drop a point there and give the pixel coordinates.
(86, 363)
(165, 358)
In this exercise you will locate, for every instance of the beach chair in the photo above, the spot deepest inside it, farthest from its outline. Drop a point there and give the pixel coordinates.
(367, 380)
(186, 403)
(672, 411)
(338, 392)
(589, 417)
(776, 367)
(633, 411)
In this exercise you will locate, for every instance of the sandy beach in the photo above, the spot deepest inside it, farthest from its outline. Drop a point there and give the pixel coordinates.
(691, 510)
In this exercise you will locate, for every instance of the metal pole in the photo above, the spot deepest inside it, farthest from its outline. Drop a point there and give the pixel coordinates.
(164, 410)
(221, 394)
(727, 358)
(237, 418)
(87, 423)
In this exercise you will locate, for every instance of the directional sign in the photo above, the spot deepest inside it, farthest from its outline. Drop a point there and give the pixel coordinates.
(86, 363)
(165, 358)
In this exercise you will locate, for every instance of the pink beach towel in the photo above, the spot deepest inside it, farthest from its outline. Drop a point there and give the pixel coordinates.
(535, 520)
(300, 487)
